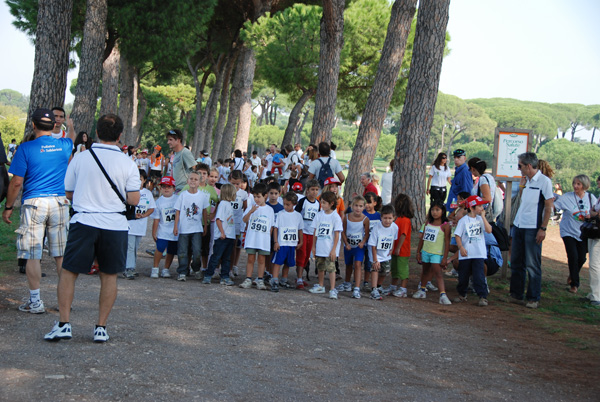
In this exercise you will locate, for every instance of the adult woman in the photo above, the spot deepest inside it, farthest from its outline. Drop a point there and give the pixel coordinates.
(594, 248)
(386, 184)
(576, 206)
(439, 175)
(82, 142)
(485, 186)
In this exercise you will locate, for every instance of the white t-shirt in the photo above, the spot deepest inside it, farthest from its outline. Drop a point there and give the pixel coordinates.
(471, 233)
(439, 177)
(138, 227)
(308, 210)
(386, 187)
(258, 232)
(315, 167)
(165, 213)
(143, 164)
(289, 225)
(223, 174)
(324, 227)
(225, 215)
(190, 207)
(93, 197)
(383, 239)
(529, 214)
(269, 159)
(255, 161)
(238, 209)
(485, 179)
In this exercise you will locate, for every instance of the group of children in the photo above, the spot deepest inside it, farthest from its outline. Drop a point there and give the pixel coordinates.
(207, 227)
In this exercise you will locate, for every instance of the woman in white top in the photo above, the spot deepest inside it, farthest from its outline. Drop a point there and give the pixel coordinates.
(484, 186)
(594, 250)
(439, 175)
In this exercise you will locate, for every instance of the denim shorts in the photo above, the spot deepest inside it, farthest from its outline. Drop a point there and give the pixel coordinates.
(429, 258)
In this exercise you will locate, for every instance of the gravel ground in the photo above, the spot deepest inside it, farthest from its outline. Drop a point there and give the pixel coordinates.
(172, 340)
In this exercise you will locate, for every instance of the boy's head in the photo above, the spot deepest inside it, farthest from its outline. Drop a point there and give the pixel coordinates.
(312, 189)
(236, 178)
(328, 201)
(193, 180)
(167, 186)
(204, 170)
(463, 195)
(274, 189)
(387, 215)
(297, 187)
(290, 199)
(259, 192)
(237, 153)
(403, 206)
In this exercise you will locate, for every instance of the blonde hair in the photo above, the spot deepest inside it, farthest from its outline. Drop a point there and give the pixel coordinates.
(213, 170)
(545, 168)
(228, 192)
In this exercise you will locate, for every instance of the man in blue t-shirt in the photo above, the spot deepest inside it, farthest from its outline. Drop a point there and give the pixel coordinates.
(463, 179)
(39, 167)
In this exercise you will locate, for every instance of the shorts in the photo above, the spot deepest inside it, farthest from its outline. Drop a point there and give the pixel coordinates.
(285, 256)
(86, 242)
(169, 245)
(429, 258)
(353, 255)
(303, 253)
(49, 215)
(155, 173)
(252, 251)
(206, 241)
(325, 264)
(385, 267)
(400, 267)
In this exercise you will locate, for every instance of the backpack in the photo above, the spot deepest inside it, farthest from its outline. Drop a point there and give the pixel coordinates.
(325, 172)
(501, 236)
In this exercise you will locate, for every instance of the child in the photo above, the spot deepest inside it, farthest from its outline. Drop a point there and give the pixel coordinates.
(274, 190)
(432, 250)
(138, 227)
(371, 211)
(460, 210)
(213, 199)
(239, 206)
(327, 227)
(162, 227)
(308, 208)
(355, 236)
(299, 190)
(288, 238)
(471, 244)
(381, 241)
(404, 212)
(213, 178)
(190, 224)
(278, 163)
(260, 220)
(332, 184)
(225, 242)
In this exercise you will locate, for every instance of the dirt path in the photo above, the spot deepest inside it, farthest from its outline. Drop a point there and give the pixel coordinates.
(173, 340)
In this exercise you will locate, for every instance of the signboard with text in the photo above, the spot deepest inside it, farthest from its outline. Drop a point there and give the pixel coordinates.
(508, 145)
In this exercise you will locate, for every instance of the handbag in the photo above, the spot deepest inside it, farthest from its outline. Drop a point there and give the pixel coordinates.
(590, 229)
(129, 209)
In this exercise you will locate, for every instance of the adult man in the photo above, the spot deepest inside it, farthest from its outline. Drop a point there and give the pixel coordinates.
(529, 231)
(205, 158)
(367, 182)
(59, 118)
(315, 167)
(295, 157)
(463, 180)
(183, 160)
(39, 167)
(255, 159)
(99, 227)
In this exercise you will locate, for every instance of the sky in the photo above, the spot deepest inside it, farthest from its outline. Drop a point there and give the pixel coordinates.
(538, 50)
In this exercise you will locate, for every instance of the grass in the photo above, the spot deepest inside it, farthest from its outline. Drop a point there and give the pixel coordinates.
(8, 249)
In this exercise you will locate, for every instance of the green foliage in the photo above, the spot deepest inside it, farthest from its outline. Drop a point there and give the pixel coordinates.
(344, 137)
(480, 150)
(261, 137)
(12, 123)
(386, 147)
(13, 98)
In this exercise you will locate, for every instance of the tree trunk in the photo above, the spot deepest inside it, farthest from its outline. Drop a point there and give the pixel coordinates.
(211, 107)
(299, 129)
(223, 106)
(90, 67)
(126, 99)
(51, 63)
(273, 118)
(199, 85)
(419, 106)
(139, 110)
(573, 129)
(332, 39)
(110, 82)
(235, 100)
(380, 96)
(245, 114)
(294, 119)
(593, 134)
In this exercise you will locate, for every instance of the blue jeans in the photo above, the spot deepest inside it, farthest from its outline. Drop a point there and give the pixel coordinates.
(186, 243)
(525, 259)
(471, 267)
(222, 251)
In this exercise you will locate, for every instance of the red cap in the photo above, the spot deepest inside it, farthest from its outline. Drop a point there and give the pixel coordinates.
(331, 180)
(297, 186)
(475, 200)
(124, 147)
(168, 180)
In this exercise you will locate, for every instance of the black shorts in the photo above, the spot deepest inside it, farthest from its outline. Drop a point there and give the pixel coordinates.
(84, 243)
(155, 173)
(206, 241)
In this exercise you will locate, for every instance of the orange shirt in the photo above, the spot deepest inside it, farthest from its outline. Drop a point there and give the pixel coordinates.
(404, 228)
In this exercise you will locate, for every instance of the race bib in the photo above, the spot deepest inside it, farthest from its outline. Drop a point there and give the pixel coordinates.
(325, 230)
(168, 215)
(431, 234)
(235, 205)
(354, 238)
(289, 234)
(385, 243)
(259, 224)
(310, 213)
(141, 209)
(474, 230)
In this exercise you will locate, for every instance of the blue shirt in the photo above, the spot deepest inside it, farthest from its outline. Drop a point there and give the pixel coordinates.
(42, 163)
(463, 181)
(276, 208)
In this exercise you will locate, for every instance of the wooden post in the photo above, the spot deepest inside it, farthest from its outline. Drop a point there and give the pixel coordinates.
(507, 215)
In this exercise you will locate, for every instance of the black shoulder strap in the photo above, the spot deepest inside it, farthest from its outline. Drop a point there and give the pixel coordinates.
(107, 177)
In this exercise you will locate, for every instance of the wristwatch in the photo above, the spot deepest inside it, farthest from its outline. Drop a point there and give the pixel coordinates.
(7, 208)
(543, 228)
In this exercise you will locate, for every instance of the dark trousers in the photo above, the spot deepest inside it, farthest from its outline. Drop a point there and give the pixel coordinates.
(437, 194)
(222, 251)
(576, 251)
(471, 267)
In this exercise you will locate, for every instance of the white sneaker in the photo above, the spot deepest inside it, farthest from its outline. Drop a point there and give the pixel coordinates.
(317, 289)
(100, 335)
(356, 293)
(400, 293)
(154, 273)
(59, 333)
(33, 307)
(247, 284)
(333, 294)
(431, 286)
(444, 299)
(165, 273)
(344, 287)
(419, 294)
(181, 277)
(260, 285)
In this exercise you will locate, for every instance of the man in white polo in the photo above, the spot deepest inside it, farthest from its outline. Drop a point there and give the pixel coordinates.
(99, 228)
(529, 231)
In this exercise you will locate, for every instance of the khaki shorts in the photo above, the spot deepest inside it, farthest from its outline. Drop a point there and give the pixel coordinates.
(39, 216)
(257, 251)
(325, 264)
(384, 267)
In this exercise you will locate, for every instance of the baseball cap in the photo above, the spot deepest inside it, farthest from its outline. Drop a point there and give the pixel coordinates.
(204, 152)
(168, 180)
(331, 180)
(124, 147)
(297, 186)
(158, 147)
(459, 152)
(475, 200)
(43, 115)
(144, 151)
